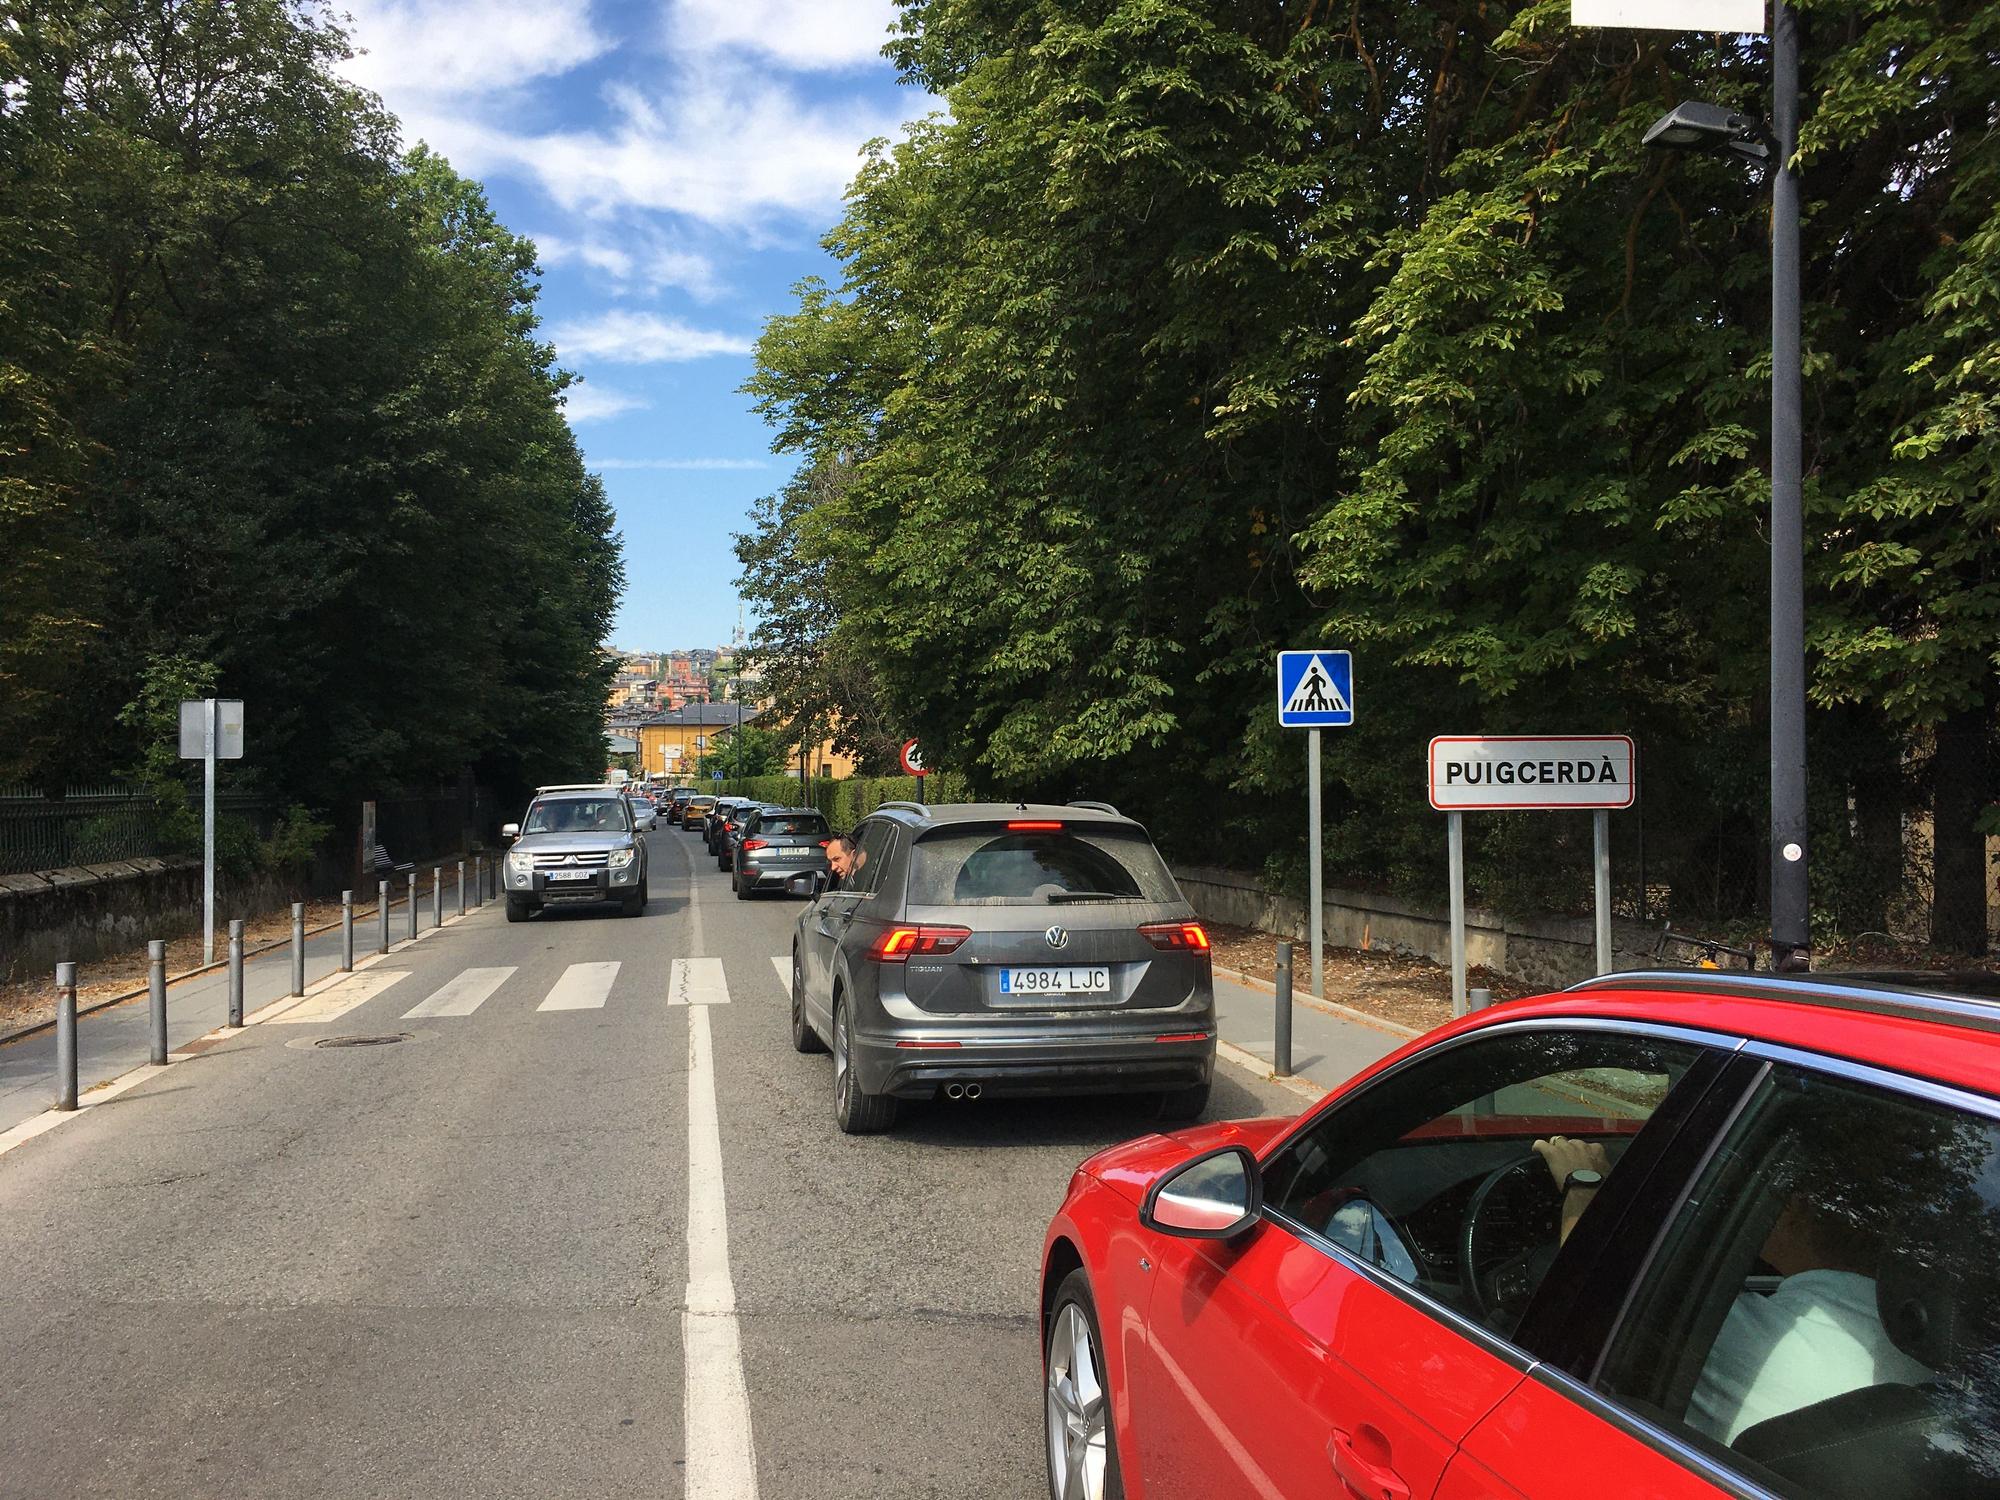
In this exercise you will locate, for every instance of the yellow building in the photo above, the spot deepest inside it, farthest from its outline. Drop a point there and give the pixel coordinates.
(672, 743)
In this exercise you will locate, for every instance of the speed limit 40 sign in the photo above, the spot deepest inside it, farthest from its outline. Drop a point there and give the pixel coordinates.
(913, 759)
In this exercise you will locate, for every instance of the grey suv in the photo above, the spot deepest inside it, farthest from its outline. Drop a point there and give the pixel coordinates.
(575, 846)
(1002, 949)
(776, 845)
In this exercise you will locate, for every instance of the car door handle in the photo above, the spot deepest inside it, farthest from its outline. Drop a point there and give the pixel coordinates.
(1364, 1476)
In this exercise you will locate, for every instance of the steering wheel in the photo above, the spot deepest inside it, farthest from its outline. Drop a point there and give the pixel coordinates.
(1511, 1281)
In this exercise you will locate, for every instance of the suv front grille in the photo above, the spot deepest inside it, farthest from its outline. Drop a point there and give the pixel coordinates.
(583, 858)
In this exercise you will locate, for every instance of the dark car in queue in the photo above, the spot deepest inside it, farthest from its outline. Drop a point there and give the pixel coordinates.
(988, 949)
(719, 822)
(694, 816)
(575, 846)
(778, 845)
(677, 800)
(1672, 1235)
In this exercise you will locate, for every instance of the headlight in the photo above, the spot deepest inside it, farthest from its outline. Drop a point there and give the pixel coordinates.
(620, 858)
(520, 861)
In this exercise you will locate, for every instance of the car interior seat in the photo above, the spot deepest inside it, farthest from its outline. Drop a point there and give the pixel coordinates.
(1894, 1441)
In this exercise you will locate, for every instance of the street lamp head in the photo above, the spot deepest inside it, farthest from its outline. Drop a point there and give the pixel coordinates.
(1695, 126)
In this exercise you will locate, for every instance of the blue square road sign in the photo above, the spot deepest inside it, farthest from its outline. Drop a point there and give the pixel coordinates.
(1315, 689)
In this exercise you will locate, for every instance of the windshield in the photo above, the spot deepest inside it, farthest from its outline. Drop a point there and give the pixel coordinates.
(789, 823)
(578, 815)
(996, 867)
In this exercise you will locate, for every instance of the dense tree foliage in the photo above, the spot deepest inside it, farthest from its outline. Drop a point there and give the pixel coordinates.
(273, 414)
(1198, 329)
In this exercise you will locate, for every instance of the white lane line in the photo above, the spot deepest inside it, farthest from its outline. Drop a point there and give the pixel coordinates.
(332, 1003)
(715, 1420)
(462, 994)
(582, 987)
(697, 981)
(784, 968)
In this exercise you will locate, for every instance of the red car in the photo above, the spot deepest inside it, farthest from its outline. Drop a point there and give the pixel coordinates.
(1660, 1235)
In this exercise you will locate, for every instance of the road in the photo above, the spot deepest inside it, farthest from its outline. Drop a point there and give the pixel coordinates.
(470, 1263)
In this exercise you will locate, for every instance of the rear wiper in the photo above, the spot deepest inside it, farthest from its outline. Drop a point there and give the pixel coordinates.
(1065, 897)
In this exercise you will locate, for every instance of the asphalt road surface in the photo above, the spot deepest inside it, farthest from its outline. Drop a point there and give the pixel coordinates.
(589, 1231)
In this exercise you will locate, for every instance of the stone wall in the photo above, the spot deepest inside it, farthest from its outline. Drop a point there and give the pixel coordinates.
(90, 911)
(1544, 953)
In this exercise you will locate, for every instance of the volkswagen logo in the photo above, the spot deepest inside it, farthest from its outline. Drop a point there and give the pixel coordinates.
(1057, 937)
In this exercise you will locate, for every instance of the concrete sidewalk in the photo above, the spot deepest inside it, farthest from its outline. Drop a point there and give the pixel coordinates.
(115, 1040)
(1327, 1049)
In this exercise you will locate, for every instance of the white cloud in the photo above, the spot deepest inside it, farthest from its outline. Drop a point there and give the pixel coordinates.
(806, 35)
(585, 402)
(679, 463)
(428, 48)
(622, 337)
(728, 147)
(643, 261)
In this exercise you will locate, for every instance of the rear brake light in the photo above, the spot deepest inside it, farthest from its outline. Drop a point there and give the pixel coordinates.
(1034, 827)
(749, 844)
(1177, 936)
(899, 943)
(826, 843)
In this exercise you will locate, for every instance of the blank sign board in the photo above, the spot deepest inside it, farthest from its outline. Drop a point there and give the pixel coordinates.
(1670, 15)
(228, 729)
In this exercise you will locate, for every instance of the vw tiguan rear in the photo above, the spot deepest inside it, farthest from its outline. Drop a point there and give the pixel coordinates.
(987, 949)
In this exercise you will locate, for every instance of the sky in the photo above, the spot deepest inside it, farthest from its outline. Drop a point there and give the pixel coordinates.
(676, 163)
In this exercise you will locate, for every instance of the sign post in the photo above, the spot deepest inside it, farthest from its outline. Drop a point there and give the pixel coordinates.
(211, 730)
(1315, 692)
(913, 765)
(1597, 773)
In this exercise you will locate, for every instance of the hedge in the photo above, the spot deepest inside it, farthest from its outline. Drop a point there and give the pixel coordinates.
(847, 802)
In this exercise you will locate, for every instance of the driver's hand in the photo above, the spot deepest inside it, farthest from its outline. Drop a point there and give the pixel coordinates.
(1565, 1154)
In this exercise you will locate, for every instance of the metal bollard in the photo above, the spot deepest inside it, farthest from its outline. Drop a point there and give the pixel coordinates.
(1478, 999)
(65, 1036)
(493, 880)
(1281, 1046)
(236, 971)
(437, 895)
(346, 931)
(382, 914)
(413, 904)
(156, 998)
(298, 947)
(461, 887)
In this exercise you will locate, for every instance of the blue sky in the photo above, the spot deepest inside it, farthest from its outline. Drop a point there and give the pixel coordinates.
(676, 162)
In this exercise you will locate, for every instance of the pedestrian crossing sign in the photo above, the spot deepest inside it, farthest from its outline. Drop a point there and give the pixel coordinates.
(1315, 689)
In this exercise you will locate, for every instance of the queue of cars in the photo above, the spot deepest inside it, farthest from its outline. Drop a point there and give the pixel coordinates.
(1662, 1234)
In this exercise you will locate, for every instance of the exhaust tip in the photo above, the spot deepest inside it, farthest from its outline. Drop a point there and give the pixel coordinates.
(954, 1091)
(972, 1091)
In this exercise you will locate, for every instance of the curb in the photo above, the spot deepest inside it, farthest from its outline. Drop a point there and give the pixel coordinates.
(1328, 1007)
(1234, 1055)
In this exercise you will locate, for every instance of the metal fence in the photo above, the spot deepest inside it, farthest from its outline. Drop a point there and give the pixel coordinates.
(91, 825)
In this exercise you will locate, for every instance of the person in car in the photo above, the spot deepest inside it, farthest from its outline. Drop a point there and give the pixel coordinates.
(1819, 1335)
(843, 859)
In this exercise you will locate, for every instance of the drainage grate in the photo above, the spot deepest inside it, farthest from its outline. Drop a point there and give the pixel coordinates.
(382, 1040)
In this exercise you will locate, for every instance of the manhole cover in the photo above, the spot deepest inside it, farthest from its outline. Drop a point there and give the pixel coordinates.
(383, 1040)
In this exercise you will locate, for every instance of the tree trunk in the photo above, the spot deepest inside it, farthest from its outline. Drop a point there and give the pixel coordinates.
(1959, 793)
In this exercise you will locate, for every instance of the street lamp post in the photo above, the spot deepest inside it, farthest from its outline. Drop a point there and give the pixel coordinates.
(1696, 126)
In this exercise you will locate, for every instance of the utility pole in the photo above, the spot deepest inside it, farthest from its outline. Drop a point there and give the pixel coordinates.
(1790, 929)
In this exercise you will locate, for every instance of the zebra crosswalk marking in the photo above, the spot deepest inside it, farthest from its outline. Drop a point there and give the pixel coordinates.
(697, 981)
(582, 987)
(337, 1000)
(462, 994)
